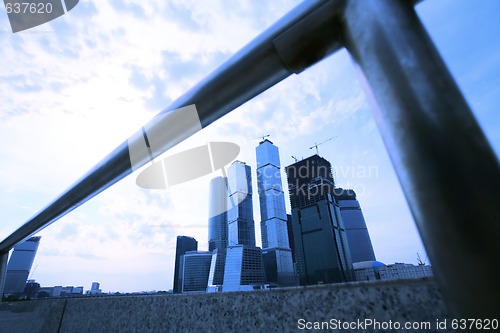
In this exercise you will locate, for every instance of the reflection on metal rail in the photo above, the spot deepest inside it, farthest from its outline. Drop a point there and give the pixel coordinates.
(434, 141)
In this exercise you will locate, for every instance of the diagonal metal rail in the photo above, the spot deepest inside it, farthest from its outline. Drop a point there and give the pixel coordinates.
(447, 169)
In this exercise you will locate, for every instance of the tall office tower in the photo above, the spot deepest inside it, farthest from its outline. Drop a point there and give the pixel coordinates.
(19, 266)
(193, 271)
(217, 230)
(217, 222)
(321, 245)
(276, 251)
(244, 269)
(184, 244)
(240, 224)
(360, 244)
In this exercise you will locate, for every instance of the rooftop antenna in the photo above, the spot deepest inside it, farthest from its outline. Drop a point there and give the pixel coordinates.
(318, 144)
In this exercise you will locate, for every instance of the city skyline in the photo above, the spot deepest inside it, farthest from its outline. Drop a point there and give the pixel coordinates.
(75, 88)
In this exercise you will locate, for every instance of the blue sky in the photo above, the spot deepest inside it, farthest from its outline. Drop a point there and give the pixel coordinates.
(73, 89)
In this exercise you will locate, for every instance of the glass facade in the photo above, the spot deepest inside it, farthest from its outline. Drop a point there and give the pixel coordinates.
(358, 237)
(240, 223)
(19, 265)
(217, 222)
(244, 267)
(275, 244)
(184, 244)
(321, 245)
(216, 276)
(194, 271)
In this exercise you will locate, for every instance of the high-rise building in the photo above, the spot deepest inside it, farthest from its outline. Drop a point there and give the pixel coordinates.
(244, 268)
(194, 270)
(217, 222)
(19, 266)
(321, 245)
(276, 251)
(184, 244)
(360, 244)
(217, 230)
(240, 224)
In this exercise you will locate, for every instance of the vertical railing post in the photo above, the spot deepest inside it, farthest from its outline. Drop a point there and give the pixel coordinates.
(448, 171)
(3, 271)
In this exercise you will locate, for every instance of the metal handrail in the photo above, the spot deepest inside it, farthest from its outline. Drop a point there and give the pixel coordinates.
(430, 133)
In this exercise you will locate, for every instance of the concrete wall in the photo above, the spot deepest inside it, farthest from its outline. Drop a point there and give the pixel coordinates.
(259, 311)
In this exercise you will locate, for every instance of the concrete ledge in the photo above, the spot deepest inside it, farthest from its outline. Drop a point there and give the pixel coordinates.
(260, 311)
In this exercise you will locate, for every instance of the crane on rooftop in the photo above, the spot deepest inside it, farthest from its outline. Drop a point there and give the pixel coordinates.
(264, 136)
(318, 144)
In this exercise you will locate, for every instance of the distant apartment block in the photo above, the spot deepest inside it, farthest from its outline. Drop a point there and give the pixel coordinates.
(374, 270)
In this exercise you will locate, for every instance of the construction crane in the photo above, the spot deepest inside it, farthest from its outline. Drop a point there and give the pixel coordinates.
(264, 136)
(295, 158)
(318, 144)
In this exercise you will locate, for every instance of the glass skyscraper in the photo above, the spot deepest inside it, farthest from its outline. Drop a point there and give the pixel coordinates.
(217, 230)
(194, 270)
(360, 244)
(19, 266)
(321, 245)
(184, 244)
(275, 244)
(244, 267)
(240, 224)
(217, 222)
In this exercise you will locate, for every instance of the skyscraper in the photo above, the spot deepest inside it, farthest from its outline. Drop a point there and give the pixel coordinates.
(217, 222)
(193, 271)
(276, 251)
(244, 267)
(217, 230)
(184, 244)
(360, 244)
(240, 224)
(321, 245)
(19, 266)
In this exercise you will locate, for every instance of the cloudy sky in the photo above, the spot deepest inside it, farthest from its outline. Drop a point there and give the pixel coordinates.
(73, 89)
